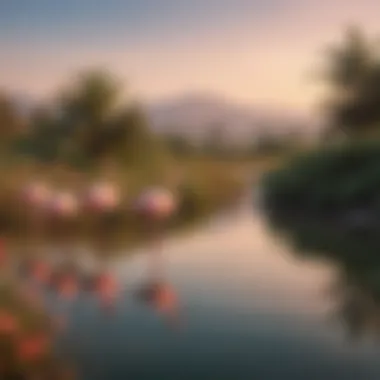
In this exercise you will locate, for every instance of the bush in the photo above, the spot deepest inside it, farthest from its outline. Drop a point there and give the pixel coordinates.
(331, 179)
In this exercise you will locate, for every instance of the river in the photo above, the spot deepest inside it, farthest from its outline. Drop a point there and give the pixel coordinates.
(248, 308)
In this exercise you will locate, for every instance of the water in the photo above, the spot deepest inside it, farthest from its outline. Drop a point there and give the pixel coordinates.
(248, 309)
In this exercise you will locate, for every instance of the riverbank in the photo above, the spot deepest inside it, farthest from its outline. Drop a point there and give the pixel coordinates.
(206, 186)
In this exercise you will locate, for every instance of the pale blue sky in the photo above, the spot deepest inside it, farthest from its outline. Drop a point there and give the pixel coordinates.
(248, 50)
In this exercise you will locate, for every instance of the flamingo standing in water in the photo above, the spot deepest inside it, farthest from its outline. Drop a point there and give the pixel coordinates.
(156, 205)
(102, 197)
(8, 323)
(36, 194)
(63, 207)
(32, 347)
(36, 197)
(63, 204)
(101, 200)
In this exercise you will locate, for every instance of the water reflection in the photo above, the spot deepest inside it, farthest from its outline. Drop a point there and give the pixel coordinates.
(354, 254)
(40, 291)
(157, 292)
(248, 299)
(27, 330)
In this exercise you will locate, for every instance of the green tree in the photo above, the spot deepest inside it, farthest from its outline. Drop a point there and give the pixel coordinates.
(43, 140)
(11, 122)
(87, 110)
(353, 75)
(99, 125)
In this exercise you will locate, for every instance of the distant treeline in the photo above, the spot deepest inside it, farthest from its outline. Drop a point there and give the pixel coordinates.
(212, 145)
(88, 122)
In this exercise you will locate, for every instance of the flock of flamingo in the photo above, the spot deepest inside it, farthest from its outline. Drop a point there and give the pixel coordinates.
(102, 197)
(155, 205)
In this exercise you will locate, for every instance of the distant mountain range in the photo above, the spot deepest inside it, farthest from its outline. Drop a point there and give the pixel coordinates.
(195, 115)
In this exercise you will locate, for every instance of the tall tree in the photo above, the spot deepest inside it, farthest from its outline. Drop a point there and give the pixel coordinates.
(11, 122)
(100, 125)
(352, 73)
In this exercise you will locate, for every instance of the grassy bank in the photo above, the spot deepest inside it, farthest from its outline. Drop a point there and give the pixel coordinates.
(206, 186)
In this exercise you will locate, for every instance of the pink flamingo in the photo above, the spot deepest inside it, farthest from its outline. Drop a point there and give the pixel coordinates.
(156, 205)
(63, 208)
(36, 196)
(102, 197)
(63, 204)
(8, 323)
(32, 347)
(101, 200)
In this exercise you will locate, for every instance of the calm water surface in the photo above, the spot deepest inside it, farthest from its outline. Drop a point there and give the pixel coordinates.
(248, 309)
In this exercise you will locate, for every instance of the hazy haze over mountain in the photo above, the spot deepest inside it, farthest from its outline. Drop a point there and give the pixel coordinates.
(196, 114)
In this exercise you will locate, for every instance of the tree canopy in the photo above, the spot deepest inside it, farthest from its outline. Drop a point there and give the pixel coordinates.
(353, 75)
(91, 122)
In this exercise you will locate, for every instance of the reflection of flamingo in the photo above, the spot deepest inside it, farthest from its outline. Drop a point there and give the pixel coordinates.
(32, 347)
(67, 285)
(40, 271)
(28, 335)
(159, 293)
(162, 296)
(107, 290)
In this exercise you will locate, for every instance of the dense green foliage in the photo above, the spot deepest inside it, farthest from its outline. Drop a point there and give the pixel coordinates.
(330, 179)
(346, 176)
(87, 124)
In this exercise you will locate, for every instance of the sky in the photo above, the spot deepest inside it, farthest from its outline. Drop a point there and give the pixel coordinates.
(250, 51)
